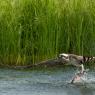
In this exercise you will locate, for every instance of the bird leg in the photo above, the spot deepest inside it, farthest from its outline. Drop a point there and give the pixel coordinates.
(82, 68)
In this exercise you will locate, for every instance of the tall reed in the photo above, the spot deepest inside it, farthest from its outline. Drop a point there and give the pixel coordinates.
(36, 30)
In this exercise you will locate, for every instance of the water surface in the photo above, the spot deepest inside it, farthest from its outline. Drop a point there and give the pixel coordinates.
(48, 81)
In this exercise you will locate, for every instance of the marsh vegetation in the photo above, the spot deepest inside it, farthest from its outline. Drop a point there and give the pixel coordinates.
(36, 30)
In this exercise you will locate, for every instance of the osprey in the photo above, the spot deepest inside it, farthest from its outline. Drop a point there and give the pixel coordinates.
(76, 60)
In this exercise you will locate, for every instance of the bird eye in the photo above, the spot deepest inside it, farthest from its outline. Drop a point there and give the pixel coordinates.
(66, 57)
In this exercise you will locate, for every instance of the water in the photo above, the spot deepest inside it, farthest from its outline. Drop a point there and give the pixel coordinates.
(50, 81)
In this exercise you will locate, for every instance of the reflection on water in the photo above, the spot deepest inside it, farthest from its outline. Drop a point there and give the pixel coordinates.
(50, 81)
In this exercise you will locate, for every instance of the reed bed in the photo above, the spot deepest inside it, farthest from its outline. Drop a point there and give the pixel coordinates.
(36, 30)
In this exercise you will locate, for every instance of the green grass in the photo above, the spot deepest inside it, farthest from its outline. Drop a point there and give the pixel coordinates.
(36, 30)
